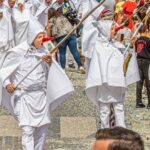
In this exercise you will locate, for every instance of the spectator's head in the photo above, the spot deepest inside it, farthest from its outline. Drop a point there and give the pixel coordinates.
(118, 138)
(11, 3)
(143, 29)
(60, 1)
(53, 13)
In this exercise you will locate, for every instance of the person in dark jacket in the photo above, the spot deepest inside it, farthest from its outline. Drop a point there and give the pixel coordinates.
(142, 47)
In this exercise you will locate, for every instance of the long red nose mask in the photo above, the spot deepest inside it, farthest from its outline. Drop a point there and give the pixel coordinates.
(105, 11)
(118, 28)
(48, 39)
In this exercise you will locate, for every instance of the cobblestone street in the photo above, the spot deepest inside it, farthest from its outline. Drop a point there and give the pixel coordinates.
(75, 121)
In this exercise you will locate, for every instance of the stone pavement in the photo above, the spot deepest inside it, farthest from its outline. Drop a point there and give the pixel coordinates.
(75, 121)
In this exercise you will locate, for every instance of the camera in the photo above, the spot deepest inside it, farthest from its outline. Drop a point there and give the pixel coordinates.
(70, 13)
(72, 17)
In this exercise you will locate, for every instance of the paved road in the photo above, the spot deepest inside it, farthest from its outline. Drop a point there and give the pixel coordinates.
(75, 121)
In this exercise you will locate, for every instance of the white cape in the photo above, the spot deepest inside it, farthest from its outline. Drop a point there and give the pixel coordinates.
(90, 33)
(106, 81)
(21, 22)
(40, 11)
(6, 32)
(59, 86)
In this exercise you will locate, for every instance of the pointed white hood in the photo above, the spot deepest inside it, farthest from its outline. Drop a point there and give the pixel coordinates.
(104, 27)
(34, 29)
(109, 4)
(21, 2)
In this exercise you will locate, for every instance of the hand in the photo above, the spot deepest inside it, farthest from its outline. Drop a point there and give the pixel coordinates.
(47, 59)
(10, 88)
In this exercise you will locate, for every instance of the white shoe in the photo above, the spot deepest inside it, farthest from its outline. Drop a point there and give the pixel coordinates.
(82, 70)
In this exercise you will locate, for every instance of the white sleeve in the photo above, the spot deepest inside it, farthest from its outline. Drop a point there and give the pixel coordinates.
(6, 82)
(97, 12)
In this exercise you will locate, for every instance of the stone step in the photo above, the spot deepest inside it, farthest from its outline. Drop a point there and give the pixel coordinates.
(14, 143)
(69, 144)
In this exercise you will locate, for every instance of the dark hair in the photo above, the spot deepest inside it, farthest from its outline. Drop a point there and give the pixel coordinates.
(124, 139)
(143, 29)
(147, 22)
(125, 21)
(53, 13)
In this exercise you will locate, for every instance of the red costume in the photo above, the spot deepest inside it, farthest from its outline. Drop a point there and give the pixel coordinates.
(128, 9)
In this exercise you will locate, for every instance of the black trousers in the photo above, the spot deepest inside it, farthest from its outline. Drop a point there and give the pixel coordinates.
(143, 65)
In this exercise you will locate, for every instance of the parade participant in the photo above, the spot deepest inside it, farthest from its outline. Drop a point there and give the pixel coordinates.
(40, 11)
(32, 101)
(142, 47)
(1, 4)
(6, 32)
(20, 17)
(107, 85)
(10, 4)
(89, 33)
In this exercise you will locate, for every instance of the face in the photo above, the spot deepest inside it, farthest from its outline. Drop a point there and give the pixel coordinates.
(20, 7)
(1, 3)
(49, 2)
(38, 40)
(102, 144)
(11, 3)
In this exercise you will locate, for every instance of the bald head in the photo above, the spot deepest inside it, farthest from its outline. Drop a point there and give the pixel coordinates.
(102, 144)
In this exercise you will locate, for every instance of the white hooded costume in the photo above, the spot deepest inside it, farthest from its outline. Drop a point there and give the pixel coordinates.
(107, 84)
(40, 11)
(20, 23)
(8, 7)
(90, 32)
(6, 32)
(35, 98)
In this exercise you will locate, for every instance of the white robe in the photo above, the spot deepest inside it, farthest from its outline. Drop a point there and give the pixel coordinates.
(33, 111)
(90, 33)
(42, 14)
(40, 11)
(20, 23)
(7, 35)
(107, 84)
